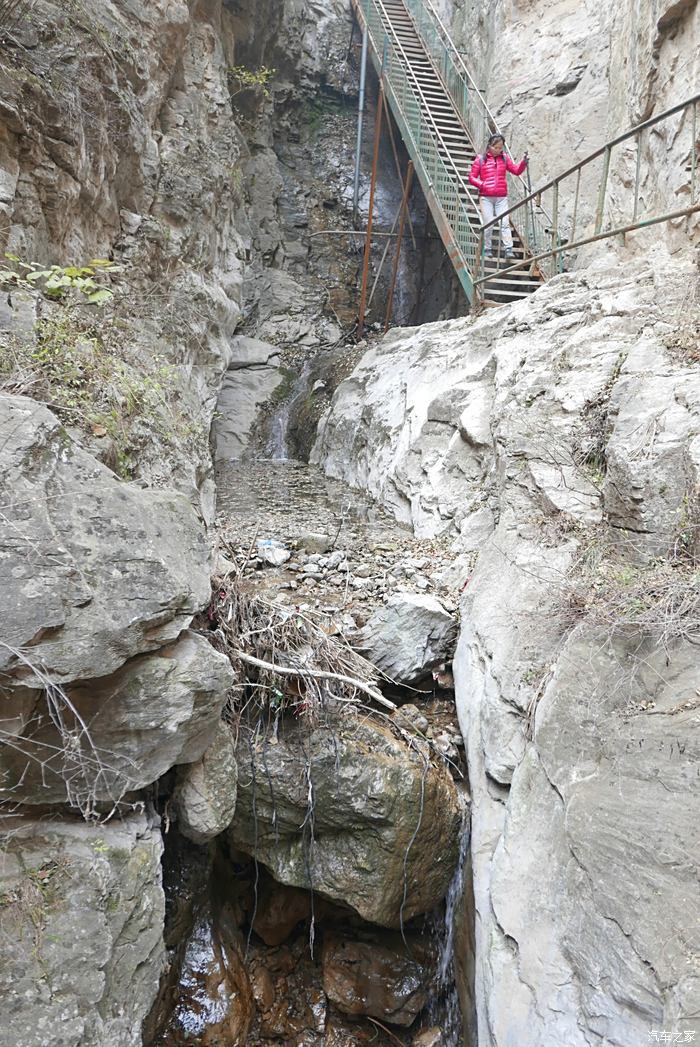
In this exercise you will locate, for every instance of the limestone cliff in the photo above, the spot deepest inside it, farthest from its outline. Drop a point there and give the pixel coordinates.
(557, 440)
(554, 442)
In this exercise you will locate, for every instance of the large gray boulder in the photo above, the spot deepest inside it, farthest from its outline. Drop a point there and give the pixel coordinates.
(352, 811)
(93, 570)
(205, 794)
(103, 687)
(81, 946)
(408, 636)
(121, 732)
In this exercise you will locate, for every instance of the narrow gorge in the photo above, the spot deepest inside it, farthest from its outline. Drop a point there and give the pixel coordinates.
(349, 642)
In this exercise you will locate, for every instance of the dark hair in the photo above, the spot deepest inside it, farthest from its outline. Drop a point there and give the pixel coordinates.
(496, 137)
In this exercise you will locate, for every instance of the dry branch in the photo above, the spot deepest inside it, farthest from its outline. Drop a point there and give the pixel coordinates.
(286, 671)
(292, 663)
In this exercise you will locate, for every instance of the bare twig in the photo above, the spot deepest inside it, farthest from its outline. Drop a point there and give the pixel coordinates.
(317, 675)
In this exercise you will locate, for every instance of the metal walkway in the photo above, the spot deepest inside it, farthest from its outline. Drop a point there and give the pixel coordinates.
(432, 122)
(444, 120)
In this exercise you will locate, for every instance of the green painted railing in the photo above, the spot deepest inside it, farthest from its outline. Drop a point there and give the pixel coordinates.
(445, 187)
(624, 212)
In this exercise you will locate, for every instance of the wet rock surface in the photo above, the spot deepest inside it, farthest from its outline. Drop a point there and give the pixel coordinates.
(380, 821)
(381, 980)
(298, 984)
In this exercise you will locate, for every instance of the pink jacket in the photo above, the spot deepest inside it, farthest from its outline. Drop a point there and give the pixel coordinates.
(489, 177)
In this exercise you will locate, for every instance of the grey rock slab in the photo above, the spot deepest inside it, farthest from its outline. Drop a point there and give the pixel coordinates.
(251, 352)
(409, 636)
(205, 793)
(81, 949)
(374, 808)
(158, 710)
(245, 387)
(636, 739)
(93, 570)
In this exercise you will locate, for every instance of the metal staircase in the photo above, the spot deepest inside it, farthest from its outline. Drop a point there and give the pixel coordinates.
(444, 121)
(416, 68)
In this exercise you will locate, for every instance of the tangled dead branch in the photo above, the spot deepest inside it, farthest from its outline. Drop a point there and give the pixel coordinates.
(93, 783)
(285, 657)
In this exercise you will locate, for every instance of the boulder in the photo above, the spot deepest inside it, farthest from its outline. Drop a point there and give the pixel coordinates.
(252, 377)
(408, 636)
(121, 732)
(81, 947)
(385, 981)
(347, 808)
(205, 794)
(92, 570)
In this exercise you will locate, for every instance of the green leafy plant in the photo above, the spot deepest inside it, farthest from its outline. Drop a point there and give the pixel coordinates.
(242, 79)
(58, 281)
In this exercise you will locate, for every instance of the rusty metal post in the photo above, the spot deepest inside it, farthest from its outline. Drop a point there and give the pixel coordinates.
(693, 152)
(402, 222)
(373, 185)
(602, 190)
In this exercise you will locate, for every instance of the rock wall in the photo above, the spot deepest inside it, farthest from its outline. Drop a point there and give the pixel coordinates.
(121, 142)
(556, 441)
(82, 931)
(118, 142)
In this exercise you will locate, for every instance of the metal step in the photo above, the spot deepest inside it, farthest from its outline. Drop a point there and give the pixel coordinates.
(441, 118)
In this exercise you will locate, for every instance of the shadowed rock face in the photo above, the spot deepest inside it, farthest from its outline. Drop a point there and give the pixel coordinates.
(375, 804)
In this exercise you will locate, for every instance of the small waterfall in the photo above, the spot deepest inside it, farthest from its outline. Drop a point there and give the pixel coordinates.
(277, 448)
(445, 1008)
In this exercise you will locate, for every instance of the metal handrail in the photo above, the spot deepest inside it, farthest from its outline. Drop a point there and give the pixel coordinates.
(605, 151)
(442, 182)
(398, 47)
(478, 120)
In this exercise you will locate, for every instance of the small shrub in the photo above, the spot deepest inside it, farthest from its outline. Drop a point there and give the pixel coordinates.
(70, 366)
(242, 79)
(58, 281)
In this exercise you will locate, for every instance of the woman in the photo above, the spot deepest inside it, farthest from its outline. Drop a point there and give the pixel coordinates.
(489, 175)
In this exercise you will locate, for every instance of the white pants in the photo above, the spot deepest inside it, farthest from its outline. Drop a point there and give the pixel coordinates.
(492, 207)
